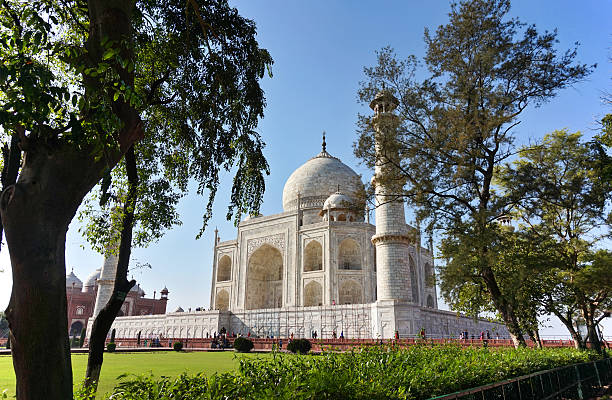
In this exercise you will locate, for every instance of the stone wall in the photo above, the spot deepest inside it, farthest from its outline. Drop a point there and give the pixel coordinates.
(357, 321)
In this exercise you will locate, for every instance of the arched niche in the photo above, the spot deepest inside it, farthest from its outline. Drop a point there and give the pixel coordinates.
(222, 300)
(313, 294)
(429, 275)
(430, 302)
(341, 217)
(349, 255)
(413, 282)
(76, 328)
(313, 256)
(350, 292)
(264, 279)
(224, 270)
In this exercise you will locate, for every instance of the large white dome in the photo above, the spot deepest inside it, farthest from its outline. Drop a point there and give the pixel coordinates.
(317, 179)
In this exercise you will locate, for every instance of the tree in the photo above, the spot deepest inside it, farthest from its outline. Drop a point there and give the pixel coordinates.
(485, 70)
(82, 84)
(561, 201)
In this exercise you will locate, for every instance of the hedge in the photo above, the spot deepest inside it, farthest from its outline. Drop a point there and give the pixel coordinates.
(380, 372)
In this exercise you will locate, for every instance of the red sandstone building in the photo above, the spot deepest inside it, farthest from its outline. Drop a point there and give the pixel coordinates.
(81, 299)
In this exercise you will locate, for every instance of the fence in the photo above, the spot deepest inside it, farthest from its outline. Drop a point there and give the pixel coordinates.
(579, 381)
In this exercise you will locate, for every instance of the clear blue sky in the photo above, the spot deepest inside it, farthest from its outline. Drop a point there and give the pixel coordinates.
(320, 48)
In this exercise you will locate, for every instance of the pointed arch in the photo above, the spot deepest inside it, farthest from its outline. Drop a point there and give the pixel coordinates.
(313, 256)
(313, 294)
(222, 300)
(349, 255)
(264, 279)
(413, 281)
(430, 302)
(224, 270)
(350, 292)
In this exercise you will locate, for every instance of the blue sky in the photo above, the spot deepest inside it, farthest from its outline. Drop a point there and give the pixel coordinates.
(320, 48)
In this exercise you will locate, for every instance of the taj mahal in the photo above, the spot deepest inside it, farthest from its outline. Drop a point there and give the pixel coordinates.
(320, 265)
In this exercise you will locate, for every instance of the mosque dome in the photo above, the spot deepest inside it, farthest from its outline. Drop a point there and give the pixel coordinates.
(319, 177)
(138, 289)
(90, 282)
(72, 279)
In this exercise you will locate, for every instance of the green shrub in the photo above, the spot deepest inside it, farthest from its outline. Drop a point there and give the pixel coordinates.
(301, 346)
(110, 347)
(378, 372)
(178, 346)
(243, 345)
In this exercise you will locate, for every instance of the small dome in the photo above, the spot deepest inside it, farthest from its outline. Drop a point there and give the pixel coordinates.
(138, 289)
(337, 200)
(71, 279)
(90, 282)
(319, 177)
(164, 290)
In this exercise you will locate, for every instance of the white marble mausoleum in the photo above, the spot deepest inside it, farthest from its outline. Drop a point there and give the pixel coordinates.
(321, 265)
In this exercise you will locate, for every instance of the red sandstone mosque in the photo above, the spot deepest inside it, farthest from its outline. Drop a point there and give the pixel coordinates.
(81, 300)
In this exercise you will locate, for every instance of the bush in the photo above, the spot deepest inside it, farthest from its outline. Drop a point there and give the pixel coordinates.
(301, 346)
(111, 347)
(243, 345)
(178, 346)
(375, 373)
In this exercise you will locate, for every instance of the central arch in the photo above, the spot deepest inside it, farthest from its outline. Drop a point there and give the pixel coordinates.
(264, 279)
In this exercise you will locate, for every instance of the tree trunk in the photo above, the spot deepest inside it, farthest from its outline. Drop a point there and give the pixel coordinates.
(11, 156)
(576, 337)
(593, 337)
(36, 212)
(104, 320)
(536, 333)
(505, 309)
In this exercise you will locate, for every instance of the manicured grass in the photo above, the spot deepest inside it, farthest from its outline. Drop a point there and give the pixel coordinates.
(159, 363)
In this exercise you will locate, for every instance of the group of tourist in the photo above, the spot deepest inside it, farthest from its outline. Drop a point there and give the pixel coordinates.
(484, 335)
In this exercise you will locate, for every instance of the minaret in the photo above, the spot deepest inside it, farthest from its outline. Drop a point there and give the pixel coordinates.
(392, 238)
(106, 282)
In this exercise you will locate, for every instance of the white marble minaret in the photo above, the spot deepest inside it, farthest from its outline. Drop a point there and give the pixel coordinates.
(106, 282)
(392, 239)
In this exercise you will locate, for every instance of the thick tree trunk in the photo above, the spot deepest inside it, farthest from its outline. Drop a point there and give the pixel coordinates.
(11, 156)
(36, 212)
(593, 337)
(104, 320)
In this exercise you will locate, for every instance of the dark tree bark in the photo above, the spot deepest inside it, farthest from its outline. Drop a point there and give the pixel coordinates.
(104, 320)
(36, 212)
(12, 161)
(505, 308)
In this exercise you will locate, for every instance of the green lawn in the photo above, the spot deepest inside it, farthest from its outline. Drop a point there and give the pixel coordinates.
(160, 363)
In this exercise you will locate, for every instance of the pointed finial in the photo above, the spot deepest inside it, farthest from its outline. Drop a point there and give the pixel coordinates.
(383, 86)
(338, 187)
(324, 145)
